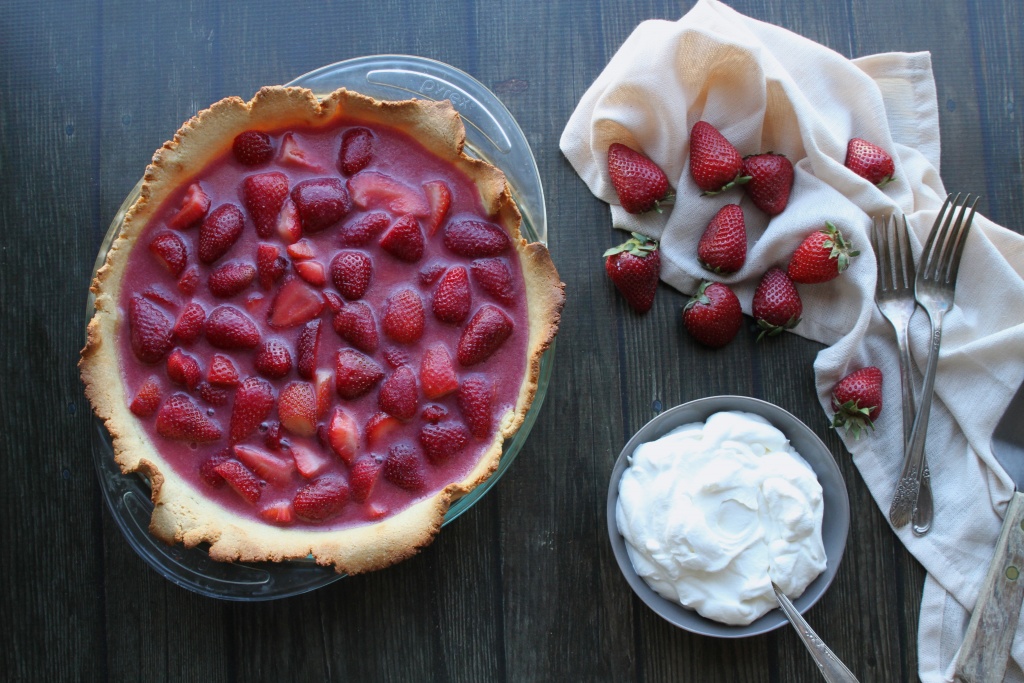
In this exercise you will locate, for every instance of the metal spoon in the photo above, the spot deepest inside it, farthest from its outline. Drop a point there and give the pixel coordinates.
(831, 668)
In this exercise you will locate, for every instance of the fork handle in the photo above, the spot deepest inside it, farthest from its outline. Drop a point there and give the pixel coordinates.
(924, 510)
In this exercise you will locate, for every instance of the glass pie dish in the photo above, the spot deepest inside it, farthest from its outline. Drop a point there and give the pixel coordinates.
(492, 135)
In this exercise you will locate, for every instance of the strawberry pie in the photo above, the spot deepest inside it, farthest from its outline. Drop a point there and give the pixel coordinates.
(317, 327)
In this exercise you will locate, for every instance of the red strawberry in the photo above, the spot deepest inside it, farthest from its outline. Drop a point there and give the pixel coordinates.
(190, 323)
(229, 328)
(355, 374)
(289, 227)
(309, 462)
(821, 257)
(292, 154)
(215, 396)
(870, 161)
(273, 360)
(365, 229)
(429, 274)
(149, 330)
(296, 303)
(221, 372)
(263, 195)
(264, 464)
(252, 148)
(437, 374)
(356, 325)
(356, 150)
(396, 358)
(322, 498)
(639, 183)
(183, 369)
(404, 240)
(278, 512)
(474, 239)
(403, 317)
(189, 281)
(723, 246)
(351, 272)
(440, 199)
(273, 437)
(333, 301)
(323, 387)
(403, 468)
(171, 251)
(434, 413)
(343, 435)
(494, 277)
(771, 179)
(379, 426)
(301, 250)
(230, 279)
(634, 267)
(312, 272)
(320, 203)
(270, 265)
(245, 483)
(307, 348)
(253, 302)
(398, 394)
(193, 207)
(147, 399)
(364, 474)
(777, 304)
(715, 164)
(475, 398)
(857, 400)
(296, 408)
(451, 298)
(207, 471)
(375, 190)
(161, 296)
(441, 441)
(713, 316)
(219, 232)
(182, 420)
(484, 334)
(253, 401)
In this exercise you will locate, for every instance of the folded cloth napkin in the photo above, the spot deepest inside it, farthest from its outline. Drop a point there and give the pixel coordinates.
(766, 88)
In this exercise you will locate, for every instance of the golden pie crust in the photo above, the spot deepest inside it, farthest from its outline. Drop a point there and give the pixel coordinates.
(182, 513)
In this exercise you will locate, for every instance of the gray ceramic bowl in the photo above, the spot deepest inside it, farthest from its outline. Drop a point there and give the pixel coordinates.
(835, 522)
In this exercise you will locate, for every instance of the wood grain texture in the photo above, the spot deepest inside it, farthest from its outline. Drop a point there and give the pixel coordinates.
(523, 587)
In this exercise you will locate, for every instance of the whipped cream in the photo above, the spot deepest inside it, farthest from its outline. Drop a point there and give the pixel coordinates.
(711, 510)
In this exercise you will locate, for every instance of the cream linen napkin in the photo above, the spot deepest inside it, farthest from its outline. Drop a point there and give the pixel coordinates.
(768, 89)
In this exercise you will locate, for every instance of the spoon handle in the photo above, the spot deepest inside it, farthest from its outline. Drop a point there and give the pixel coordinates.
(831, 667)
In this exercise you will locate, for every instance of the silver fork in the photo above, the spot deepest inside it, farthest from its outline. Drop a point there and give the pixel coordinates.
(894, 296)
(935, 285)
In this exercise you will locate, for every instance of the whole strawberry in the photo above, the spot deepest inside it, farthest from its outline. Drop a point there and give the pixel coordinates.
(713, 316)
(638, 181)
(777, 304)
(857, 400)
(634, 267)
(715, 164)
(723, 246)
(870, 161)
(821, 257)
(771, 179)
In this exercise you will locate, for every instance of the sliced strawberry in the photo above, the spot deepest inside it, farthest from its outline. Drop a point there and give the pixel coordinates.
(475, 398)
(323, 387)
(322, 498)
(219, 232)
(253, 401)
(379, 426)
(309, 462)
(292, 154)
(207, 471)
(434, 413)
(296, 303)
(484, 334)
(403, 317)
(189, 281)
(441, 441)
(147, 399)
(451, 298)
(264, 464)
(149, 329)
(307, 347)
(343, 435)
(333, 301)
(296, 408)
(160, 295)
(356, 150)
(215, 396)
(475, 239)
(278, 512)
(363, 476)
(230, 279)
(494, 277)
(320, 203)
(365, 229)
(437, 374)
(431, 273)
(222, 372)
(270, 265)
(183, 369)
(404, 240)
(180, 419)
(356, 325)
(273, 437)
(440, 199)
(193, 207)
(263, 195)
(396, 358)
(312, 272)
(273, 359)
(370, 189)
(398, 394)
(229, 328)
(355, 374)
(245, 483)
(170, 251)
(403, 468)
(351, 272)
(301, 250)
(377, 511)
(190, 323)
(289, 227)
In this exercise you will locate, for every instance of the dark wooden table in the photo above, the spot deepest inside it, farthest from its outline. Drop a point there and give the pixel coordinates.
(523, 587)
